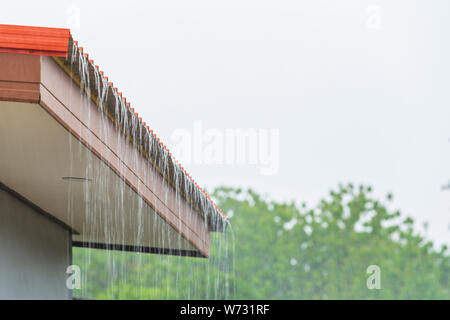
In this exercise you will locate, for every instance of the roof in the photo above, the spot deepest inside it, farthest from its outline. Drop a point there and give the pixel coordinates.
(34, 40)
(73, 59)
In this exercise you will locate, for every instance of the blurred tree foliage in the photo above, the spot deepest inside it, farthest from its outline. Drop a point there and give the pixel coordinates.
(282, 251)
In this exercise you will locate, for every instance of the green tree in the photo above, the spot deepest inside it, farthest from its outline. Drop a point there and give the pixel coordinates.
(283, 251)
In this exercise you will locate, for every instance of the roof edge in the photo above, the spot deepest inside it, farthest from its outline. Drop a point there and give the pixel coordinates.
(41, 41)
(58, 43)
(111, 101)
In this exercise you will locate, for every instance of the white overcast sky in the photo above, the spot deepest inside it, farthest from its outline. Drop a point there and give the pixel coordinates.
(353, 102)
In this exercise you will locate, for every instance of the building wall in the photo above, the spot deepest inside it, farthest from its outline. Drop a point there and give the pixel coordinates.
(35, 252)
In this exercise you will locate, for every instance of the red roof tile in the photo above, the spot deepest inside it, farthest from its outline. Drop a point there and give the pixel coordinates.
(34, 40)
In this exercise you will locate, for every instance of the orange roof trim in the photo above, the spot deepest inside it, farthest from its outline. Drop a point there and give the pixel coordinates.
(34, 40)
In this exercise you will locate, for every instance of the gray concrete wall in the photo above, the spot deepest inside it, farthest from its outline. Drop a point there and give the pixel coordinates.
(34, 253)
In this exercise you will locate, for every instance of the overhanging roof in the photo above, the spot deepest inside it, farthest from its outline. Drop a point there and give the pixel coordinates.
(46, 85)
(34, 40)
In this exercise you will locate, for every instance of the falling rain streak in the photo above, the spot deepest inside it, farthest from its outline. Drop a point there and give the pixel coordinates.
(109, 203)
